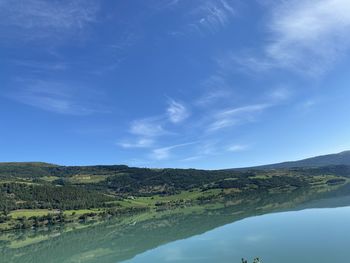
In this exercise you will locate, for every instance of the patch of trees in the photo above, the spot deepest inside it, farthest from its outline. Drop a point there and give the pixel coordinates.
(30, 196)
(166, 181)
(337, 170)
(265, 183)
(37, 170)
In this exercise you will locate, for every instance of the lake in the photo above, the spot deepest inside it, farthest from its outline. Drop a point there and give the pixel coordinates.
(296, 227)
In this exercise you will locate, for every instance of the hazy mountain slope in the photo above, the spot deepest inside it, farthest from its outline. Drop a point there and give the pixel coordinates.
(342, 158)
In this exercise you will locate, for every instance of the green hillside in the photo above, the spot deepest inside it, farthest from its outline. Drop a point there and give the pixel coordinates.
(38, 194)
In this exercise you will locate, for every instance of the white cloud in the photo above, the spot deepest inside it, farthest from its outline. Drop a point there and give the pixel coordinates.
(154, 126)
(308, 104)
(149, 127)
(237, 148)
(165, 152)
(280, 94)
(52, 96)
(192, 158)
(309, 35)
(38, 66)
(177, 112)
(140, 143)
(165, 4)
(217, 89)
(212, 15)
(161, 153)
(232, 61)
(234, 116)
(38, 18)
(304, 36)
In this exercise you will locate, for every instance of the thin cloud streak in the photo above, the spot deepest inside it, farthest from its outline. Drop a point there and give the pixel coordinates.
(40, 66)
(39, 19)
(165, 152)
(140, 143)
(234, 116)
(237, 148)
(212, 15)
(51, 96)
(217, 88)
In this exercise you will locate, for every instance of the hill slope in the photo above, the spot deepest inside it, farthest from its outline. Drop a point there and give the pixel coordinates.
(342, 158)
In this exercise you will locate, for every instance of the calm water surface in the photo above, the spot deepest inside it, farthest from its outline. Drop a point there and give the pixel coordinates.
(316, 235)
(317, 231)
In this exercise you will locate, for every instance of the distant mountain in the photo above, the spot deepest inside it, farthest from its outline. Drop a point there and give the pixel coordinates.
(38, 169)
(342, 158)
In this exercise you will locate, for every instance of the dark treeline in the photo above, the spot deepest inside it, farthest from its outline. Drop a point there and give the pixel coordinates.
(37, 170)
(172, 180)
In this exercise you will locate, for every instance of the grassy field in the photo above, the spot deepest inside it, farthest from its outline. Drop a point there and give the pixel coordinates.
(31, 212)
(86, 179)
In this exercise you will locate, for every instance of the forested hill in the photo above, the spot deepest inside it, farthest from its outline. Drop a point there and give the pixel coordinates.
(342, 158)
(37, 194)
(41, 169)
(121, 179)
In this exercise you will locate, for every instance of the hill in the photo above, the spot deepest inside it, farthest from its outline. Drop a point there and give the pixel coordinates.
(40, 194)
(342, 158)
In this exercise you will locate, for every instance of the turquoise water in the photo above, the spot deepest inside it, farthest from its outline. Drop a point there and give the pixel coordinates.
(298, 227)
(316, 235)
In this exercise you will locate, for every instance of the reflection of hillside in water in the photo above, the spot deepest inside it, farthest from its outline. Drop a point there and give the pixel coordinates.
(114, 241)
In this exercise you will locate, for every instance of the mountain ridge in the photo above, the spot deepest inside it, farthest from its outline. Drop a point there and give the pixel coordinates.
(335, 159)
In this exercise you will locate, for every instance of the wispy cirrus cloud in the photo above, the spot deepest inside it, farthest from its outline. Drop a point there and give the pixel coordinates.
(139, 143)
(212, 15)
(209, 149)
(237, 148)
(279, 94)
(33, 19)
(314, 28)
(177, 112)
(164, 4)
(39, 66)
(52, 96)
(217, 88)
(304, 36)
(143, 133)
(153, 127)
(224, 118)
(165, 152)
(234, 116)
(149, 127)
(208, 123)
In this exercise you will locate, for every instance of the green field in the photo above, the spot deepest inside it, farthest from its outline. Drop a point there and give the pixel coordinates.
(31, 212)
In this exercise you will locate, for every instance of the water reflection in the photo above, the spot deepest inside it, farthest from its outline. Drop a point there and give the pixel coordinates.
(122, 239)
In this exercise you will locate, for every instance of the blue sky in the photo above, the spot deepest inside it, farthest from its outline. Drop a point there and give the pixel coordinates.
(173, 83)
